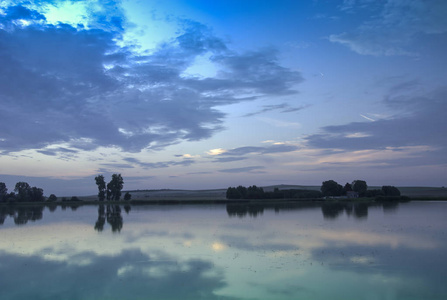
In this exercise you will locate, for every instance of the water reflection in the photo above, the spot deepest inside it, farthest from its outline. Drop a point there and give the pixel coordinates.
(330, 210)
(21, 214)
(131, 274)
(334, 210)
(245, 251)
(111, 213)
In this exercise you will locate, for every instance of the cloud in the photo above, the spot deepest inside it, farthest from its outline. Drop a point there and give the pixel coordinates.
(279, 148)
(283, 108)
(81, 88)
(420, 124)
(391, 30)
(243, 170)
(157, 165)
(228, 159)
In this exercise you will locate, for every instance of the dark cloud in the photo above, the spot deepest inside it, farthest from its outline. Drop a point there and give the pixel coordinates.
(77, 86)
(421, 123)
(243, 170)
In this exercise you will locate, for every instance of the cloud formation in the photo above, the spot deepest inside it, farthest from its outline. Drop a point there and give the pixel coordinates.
(78, 88)
(421, 123)
(279, 148)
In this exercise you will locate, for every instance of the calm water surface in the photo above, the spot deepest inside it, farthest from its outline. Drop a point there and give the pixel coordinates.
(225, 252)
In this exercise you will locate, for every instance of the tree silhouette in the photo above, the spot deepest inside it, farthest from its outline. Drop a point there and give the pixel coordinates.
(115, 186)
(127, 196)
(331, 188)
(360, 187)
(101, 187)
(23, 191)
(52, 198)
(3, 191)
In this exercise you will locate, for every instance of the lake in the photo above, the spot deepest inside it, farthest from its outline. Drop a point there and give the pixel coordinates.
(291, 251)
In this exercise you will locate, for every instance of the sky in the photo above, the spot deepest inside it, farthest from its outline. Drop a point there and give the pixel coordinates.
(196, 94)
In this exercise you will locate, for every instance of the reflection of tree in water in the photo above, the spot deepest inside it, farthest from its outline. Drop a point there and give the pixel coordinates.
(358, 210)
(241, 211)
(52, 207)
(334, 210)
(361, 210)
(254, 210)
(114, 217)
(111, 214)
(390, 206)
(21, 214)
(99, 225)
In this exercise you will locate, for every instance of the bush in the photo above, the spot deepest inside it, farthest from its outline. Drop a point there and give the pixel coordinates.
(52, 198)
(127, 196)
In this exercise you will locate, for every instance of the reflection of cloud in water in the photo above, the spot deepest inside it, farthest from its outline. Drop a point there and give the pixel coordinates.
(130, 274)
(295, 247)
(404, 271)
(353, 237)
(217, 246)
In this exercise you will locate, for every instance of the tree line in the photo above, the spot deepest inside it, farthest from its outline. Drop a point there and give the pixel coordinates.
(254, 192)
(23, 192)
(331, 188)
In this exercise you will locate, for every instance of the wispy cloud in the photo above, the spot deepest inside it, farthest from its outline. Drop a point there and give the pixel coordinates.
(395, 25)
(283, 108)
(367, 118)
(276, 148)
(158, 165)
(400, 131)
(243, 170)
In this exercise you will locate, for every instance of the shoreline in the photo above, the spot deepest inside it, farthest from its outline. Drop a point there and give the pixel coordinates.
(223, 201)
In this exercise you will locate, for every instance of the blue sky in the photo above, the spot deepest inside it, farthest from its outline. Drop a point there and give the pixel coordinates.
(211, 94)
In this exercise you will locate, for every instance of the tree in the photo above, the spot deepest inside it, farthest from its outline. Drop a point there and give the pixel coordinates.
(52, 198)
(100, 182)
(360, 187)
(253, 192)
(232, 193)
(127, 196)
(242, 190)
(389, 190)
(23, 191)
(3, 191)
(331, 188)
(347, 188)
(36, 194)
(114, 187)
